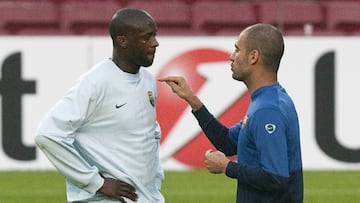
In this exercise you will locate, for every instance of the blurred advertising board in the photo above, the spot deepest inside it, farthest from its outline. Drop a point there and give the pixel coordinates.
(320, 73)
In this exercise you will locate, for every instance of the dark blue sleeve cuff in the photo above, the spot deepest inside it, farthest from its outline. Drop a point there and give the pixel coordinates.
(232, 170)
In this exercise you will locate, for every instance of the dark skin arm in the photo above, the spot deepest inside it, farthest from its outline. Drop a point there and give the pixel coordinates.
(118, 189)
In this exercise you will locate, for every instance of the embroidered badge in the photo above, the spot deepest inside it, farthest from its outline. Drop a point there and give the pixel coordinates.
(244, 121)
(270, 128)
(151, 98)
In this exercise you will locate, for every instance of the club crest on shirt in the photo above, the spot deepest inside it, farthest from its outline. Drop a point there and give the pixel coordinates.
(244, 122)
(151, 98)
(270, 128)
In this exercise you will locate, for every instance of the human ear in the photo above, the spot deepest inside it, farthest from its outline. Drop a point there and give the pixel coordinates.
(253, 56)
(122, 41)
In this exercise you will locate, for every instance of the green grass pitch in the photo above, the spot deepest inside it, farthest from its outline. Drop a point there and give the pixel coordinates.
(196, 186)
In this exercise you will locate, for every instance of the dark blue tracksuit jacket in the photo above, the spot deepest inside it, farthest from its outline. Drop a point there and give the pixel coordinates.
(267, 144)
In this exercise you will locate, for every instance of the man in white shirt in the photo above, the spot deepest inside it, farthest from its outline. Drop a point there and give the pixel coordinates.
(103, 135)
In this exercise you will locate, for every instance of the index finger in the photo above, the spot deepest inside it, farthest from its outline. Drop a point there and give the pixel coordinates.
(126, 190)
(170, 79)
(126, 185)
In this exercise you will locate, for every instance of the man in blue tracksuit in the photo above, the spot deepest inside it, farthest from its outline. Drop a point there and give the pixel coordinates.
(266, 141)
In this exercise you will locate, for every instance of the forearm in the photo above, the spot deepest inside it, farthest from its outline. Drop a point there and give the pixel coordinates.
(257, 177)
(216, 132)
(69, 162)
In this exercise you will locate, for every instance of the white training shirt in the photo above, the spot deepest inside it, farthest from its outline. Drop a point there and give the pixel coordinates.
(106, 123)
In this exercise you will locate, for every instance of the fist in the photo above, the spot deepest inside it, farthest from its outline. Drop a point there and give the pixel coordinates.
(216, 161)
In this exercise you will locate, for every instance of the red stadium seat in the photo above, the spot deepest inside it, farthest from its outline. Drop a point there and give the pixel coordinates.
(87, 17)
(293, 16)
(344, 17)
(225, 18)
(197, 1)
(29, 17)
(172, 17)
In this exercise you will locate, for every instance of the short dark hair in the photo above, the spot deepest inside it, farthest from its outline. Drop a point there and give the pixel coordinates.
(268, 40)
(125, 20)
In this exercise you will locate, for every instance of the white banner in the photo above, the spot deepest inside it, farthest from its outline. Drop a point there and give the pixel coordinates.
(320, 74)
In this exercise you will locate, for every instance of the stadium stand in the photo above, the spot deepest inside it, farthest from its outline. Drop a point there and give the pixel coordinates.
(25, 17)
(214, 18)
(343, 17)
(293, 18)
(182, 17)
(86, 17)
(172, 17)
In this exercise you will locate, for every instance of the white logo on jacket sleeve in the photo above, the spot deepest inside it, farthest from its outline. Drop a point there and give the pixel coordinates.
(270, 128)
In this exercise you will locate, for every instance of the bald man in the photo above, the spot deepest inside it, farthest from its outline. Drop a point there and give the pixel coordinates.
(102, 136)
(267, 140)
